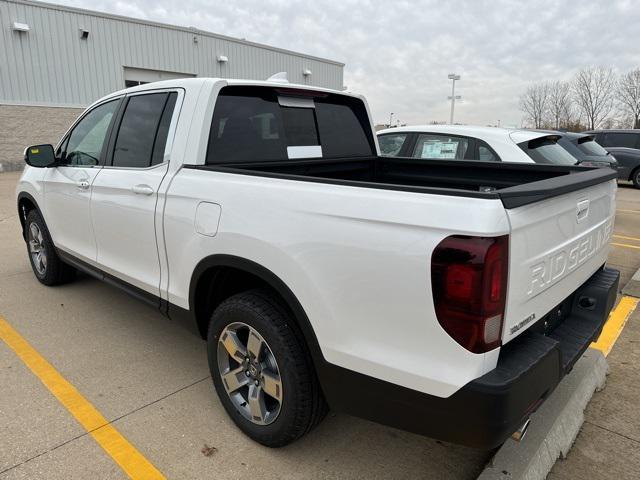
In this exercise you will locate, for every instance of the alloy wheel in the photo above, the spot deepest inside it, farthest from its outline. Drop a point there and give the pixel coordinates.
(37, 248)
(250, 373)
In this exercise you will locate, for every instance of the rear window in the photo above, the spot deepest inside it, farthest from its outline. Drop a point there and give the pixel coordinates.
(546, 150)
(268, 124)
(589, 146)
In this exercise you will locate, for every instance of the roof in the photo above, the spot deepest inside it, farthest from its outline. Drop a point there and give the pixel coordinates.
(614, 130)
(139, 21)
(195, 83)
(484, 133)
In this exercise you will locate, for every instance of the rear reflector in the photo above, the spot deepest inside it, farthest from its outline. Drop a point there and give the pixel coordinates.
(469, 284)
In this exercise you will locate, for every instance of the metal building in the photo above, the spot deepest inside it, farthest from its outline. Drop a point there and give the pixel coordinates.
(55, 60)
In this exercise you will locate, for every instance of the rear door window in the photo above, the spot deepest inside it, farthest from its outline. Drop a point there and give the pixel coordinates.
(440, 147)
(269, 124)
(391, 144)
(142, 134)
(546, 150)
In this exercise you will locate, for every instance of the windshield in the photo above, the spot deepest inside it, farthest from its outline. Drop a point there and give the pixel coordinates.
(589, 146)
(546, 150)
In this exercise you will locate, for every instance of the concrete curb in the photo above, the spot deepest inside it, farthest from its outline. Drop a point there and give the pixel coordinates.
(632, 287)
(554, 427)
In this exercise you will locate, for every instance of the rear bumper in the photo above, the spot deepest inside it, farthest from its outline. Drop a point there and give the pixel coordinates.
(486, 411)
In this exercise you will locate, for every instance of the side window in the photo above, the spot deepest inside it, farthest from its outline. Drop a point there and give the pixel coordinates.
(628, 140)
(485, 154)
(60, 152)
(440, 147)
(86, 141)
(391, 144)
(142, 134)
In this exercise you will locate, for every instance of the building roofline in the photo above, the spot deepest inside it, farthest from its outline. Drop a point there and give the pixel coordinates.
(193, 30)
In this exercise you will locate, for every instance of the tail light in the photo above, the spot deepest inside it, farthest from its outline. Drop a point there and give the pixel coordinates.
(469, 284)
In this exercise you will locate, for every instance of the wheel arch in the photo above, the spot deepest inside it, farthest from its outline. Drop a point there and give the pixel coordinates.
(25, 204)
(209, 281)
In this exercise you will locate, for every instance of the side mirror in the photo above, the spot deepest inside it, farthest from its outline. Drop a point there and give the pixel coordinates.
(40, 156)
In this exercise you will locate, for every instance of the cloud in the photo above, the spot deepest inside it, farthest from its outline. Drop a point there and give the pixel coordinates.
(399, 53)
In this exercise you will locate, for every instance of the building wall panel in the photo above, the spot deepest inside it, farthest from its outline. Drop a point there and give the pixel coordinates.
(52, 65)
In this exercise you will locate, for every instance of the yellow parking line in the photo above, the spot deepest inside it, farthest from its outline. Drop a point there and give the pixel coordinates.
(626, 238)
(134, 464)
(627, 211)
(626, 245)
(617, 319)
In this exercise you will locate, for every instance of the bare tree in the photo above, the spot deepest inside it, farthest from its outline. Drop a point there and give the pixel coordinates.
(559, 104)
(534, 102)
(628, 94)
(593, 91)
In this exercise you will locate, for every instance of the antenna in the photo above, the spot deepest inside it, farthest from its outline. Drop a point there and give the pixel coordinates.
(280, 77)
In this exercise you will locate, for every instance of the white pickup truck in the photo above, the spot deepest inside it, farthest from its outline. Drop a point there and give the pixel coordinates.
(445, 298)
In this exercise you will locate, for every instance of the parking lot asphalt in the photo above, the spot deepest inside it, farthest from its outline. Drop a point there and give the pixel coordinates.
(149, 379)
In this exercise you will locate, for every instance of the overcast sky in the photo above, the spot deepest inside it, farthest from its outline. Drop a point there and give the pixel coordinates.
(398, 53)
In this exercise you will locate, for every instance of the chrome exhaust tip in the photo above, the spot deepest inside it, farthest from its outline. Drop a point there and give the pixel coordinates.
(519, 434)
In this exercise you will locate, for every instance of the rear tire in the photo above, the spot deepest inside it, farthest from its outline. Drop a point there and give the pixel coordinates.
(262, 370)
(46, 265)
(635, 178)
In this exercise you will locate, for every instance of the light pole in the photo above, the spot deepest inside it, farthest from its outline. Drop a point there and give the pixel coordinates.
(453, 77)
(390, 117)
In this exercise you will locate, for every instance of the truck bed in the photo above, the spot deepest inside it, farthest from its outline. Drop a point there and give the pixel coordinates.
(514, 184)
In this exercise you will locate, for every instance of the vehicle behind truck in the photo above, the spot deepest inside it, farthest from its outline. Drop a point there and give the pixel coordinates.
(448, 298)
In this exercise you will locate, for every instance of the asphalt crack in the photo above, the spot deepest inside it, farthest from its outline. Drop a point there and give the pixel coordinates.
(613, 431)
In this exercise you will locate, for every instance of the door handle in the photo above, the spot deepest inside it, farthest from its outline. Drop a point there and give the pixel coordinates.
(142, 189)
(82, 184)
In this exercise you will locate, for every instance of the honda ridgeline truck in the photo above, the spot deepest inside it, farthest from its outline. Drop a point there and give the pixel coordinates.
(447, 298)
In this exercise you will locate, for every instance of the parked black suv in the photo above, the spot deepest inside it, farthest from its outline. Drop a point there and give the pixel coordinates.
(625, 146)
(616, 138)
(628, 163)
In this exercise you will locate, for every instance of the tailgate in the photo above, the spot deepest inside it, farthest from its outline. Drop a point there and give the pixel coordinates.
(555, 246)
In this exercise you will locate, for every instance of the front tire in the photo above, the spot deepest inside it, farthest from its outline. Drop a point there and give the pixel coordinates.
(46, 265)
(262, 370)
